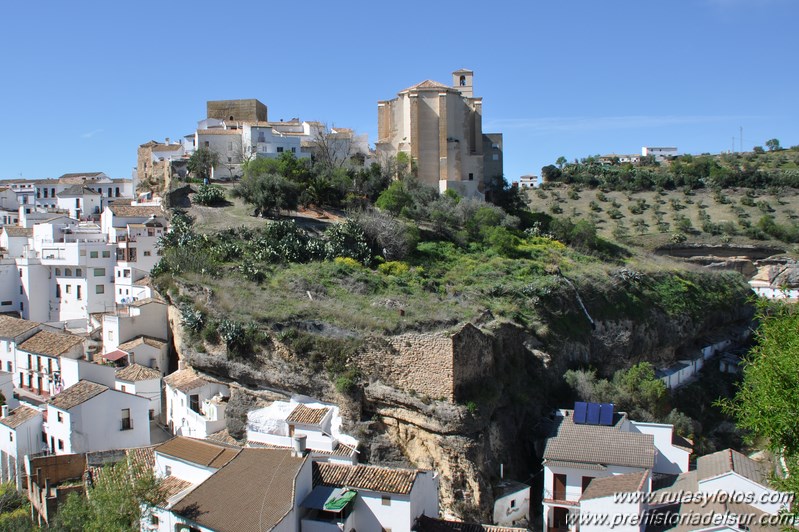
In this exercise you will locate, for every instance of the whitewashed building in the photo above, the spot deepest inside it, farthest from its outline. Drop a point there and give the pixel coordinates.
(144, 382)
(38, 362)
(195, 406)
(586, 444)
(20, 436)
(93, 417)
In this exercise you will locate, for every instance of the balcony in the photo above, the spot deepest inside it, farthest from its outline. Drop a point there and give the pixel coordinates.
(561, 497)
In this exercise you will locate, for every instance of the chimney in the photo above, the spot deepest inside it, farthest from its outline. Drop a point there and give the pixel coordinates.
(5, 411)
(299, 446)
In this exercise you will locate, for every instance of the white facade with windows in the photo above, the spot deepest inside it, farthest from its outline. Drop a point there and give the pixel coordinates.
(20, 435)
(195, 406)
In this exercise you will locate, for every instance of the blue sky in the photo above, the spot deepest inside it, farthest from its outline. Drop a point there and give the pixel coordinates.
(84, 83)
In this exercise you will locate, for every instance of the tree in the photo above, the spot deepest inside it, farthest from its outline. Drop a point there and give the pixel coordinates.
(773, 145)
(114, 501)
(268, 193)
(331, 150)
(550, 173)
(394, 198)
(499, 192)
(561, 161)
(201, 162)
(766, 402)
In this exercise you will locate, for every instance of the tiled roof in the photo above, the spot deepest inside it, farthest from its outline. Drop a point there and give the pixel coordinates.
(597, 444)
(77, 190)
(139, 340)
(219, 132)
(575, 465)
(199, 452)
(137, 372)
(135, 211)
(308, 416)
(431, 524)
(691, 513)
(171, 486)
(427, 84)
(80, 176)
(718, 463)
(167, 147)
(223, 437)
(372, 478)
(12, 327)
(48, 343)
(185, 380)
(609, 486)
(254, 492)
(18, 416)
(15, 230)
(77, 394)
(340, 450)
(682, 443)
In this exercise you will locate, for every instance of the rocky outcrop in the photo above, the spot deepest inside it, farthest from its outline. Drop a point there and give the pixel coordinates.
(466, 400)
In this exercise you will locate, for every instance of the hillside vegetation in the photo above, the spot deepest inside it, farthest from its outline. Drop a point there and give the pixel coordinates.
(743, 198)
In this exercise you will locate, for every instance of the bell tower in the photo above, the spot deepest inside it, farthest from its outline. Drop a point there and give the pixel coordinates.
(462, 80)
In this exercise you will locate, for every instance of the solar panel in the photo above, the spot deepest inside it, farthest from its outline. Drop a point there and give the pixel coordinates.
(593, 414)
(580, 410)
(606, 414)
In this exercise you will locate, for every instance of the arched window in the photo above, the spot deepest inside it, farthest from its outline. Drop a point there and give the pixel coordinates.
(463, 81)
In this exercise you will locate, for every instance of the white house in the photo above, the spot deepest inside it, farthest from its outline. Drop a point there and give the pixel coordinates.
(38, 362)
(14, 239)
(80, 201)
(385, 498)
(20, 436)
(13, 331)
(659, 152)
(600, 499)
(93, 417)
(511, 503)
(214, 488)
(587, 443)
(144, 382)
(281, 422)
(142, 318)
(195, 406)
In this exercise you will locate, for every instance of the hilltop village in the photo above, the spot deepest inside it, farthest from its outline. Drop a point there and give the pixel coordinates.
(107, 356)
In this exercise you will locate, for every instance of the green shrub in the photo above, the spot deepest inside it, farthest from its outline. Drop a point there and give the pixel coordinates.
(393, 268)
(209, 195)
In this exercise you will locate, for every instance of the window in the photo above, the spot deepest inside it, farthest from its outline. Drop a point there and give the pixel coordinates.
(194, 403)
(99, 289)
(6, 303)
(68, 288)
(57, 272)
(60, 445)
(126, 424)
(116, 191)
(93, 254)
(67, 272)
(293, 150)
(280, 149)
(463, 81)
(78, 272)
(60, 417)
(44, 437)
(471, 177)
(106, 254)
(123, 388)
(147, 253)
(495, 157)
(79, 296)
(57, 290)
(99, 272)
(82, 253)
(10, 436)
(9, 367)
(154, 520)
(167, 470)
(385, 500)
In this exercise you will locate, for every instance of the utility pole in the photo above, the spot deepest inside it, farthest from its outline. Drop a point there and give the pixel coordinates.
(733, 144)
(742, 138)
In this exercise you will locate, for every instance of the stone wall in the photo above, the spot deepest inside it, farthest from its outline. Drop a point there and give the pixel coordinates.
(240, 110)
(435, 365)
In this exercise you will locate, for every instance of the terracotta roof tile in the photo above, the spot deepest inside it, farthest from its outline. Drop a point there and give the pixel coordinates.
(12, 327)
(200, 452)
(77, 190)
(254, 492)
(372, 478)
(219, 131)
(18, 416)
(136, 372)
(721, 462)
(77, 394)
(609, 486)
(609, 445)
(147, 300)
(171, 486)
(307, 416)
(184, 380)
(15, 230)
(427, 84)
(139, 340)
(49, 343)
